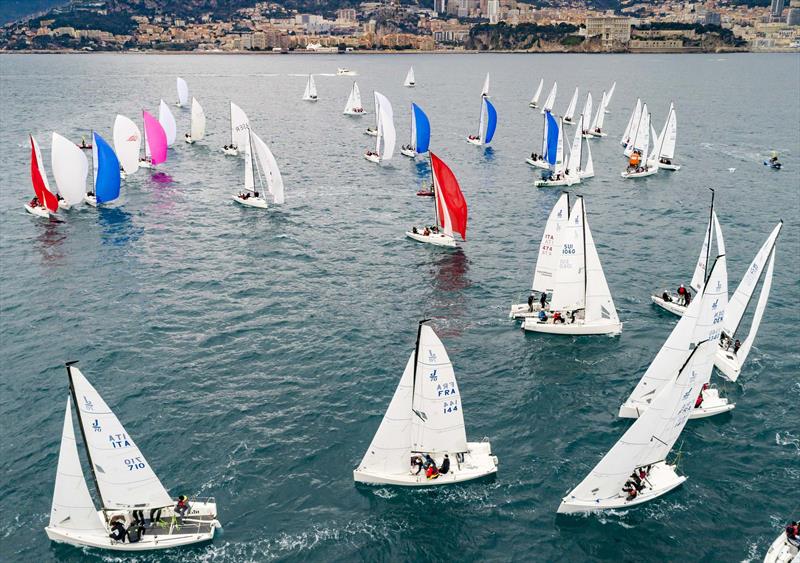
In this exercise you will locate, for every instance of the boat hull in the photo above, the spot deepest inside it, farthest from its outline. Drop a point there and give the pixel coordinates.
(578, 328)
(90, 200)
(538, 163)
(38, 211)
(189, 140)
(354, 113)
(476, 142)
(257, 202)
(671, 306)
(231, 152)
(727, 363)
(712, 405)
(371, 132)
(522, 311)
(556, 183)
(436, 239)
(673, 167)
(145, 164)
(410, 153)
(594, 134)
(310, 99)
(643, 174)
(373, 158)
(781, 551)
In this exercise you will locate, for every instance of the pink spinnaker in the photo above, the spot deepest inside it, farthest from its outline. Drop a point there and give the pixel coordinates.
(156, 139)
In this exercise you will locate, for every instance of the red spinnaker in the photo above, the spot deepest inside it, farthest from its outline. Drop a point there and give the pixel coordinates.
(454, 202)
(45, 197)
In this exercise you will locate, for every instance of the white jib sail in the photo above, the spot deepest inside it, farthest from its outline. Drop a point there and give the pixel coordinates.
(312, 91)
(354, 100)
(551, 98)
(167, 121)
(249, 172)
(240, 126)
(547, 261)
(485, 89)
(198, 125)
(183, 92)
(70, 168)
(386, 128)
(642, 139)
(653, 156)
(588, 170)
(482, 121)
(127, 143)
(574, 163)
(599, 303)
(409, 81)
(569, 114)
(699, 276)
(569, 282)
(601, 114)
(610, 93)
(587, 112)
(561, 162)
(538, 93)
(72, 508)
(125, 479)
(633, 123)
(269, 167)
(747, 345)
(670, 136)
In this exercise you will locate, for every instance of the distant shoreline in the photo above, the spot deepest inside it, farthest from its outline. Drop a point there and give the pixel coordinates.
(387, 52)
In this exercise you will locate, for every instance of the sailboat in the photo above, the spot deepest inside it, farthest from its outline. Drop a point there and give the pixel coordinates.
(70, 168)
(124, 482)
(635, 470)
(673, 302)
(568, 115)
(585, 170)
(556, 175)
(534, 103)
(386, 131)
(127, 145)
(546, 262)
(240, 128)
(633, 123)
(310, 93)
(197, 127)
(665, 144)
(449, 208)
(639, 165)
(106, 178)
(420, 133)
(610, 93)
(486, 125)
(260, 166)
(410, 81)
(155, 142)
(732, 354)
(485, 88)
(782, 551)
(596, 129)
(183, 93)
(354, 106)
(45, 201)
(539, 160)
(708, 308)
(167, 121)
(551, 99)
(580, 295)
(425, 417)
(587, 114)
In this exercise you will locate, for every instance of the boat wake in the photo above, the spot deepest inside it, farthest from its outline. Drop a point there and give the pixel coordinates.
(787, 439)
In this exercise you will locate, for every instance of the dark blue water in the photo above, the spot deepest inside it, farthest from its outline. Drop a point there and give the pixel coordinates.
(252, 354)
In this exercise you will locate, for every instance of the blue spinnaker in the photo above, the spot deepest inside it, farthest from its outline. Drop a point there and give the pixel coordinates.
(491, 123)
(552, 139)
(106, 177)
(423, 129)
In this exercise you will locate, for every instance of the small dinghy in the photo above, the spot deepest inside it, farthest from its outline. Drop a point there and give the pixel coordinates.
(733, 353)
(127, 144)
(546, 262)
(386, 136)
(596, 128)
(310, 93)
(675, 302)
(259, 166)
(197, 127)
(155, 142)
(420, 133)
(45, 201)
(126, 486)
(240, 131)
(106, 179)
(410, 81)
(557, 175)
(700, 320)
(570, 113)
(534, 103)
(635, 470)
(167, 121)
(353, 106)
(581, 302)
(449, 208)
(487, 123)
(773, 161)
(665, 145)
(551, 99)
(783, 551)
(425, 422)
(70, 169)
(183, 93)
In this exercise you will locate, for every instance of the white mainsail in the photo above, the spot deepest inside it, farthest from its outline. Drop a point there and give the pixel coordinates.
(587, 112)
(597, 123)
(198, 124)
(551, 99)
(183, 92)
(568, 115)
(641, 137)
(269, 167)
(633, 123)
(670, 135)
(700, 269)
(249, 171)
(354, 100)
(70, 168)
(569, 281)
(72, 508)
(575, 153)
(167, 121)
(485, 89)
(124, 478)
(547, 261)
(610, 93)
(386, 130)
(310, 92)
(240, 127)
(409, 81)
(127, 143)
(535, 100)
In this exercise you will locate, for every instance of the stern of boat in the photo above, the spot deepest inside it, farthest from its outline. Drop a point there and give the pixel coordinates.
(436, 239)
(728, 364)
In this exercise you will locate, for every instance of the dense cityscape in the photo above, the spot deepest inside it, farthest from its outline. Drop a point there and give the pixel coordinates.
(555, 26)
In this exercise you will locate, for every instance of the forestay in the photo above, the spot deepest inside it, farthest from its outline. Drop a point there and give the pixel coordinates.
(70, 168)
(354, 100)
(587, 111)
(547, 261)
(410, 81)
(670, 135)
(597, 124)
(633, 123)
(551, 98)
(450, 203)
(127, 143)
(198, 126)
(167, 121)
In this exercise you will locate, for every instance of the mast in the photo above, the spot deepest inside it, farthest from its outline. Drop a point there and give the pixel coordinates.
(420, 414)
(710, 226)
(232, 126)
(93, 180)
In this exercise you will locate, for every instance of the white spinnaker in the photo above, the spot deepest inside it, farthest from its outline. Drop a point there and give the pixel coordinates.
(599, 303)
(570, 113)
(390, 449)
(747, 345)
(633, 123)
(547, 261)
(437, 400)
(551, 98)
(125, 479)
(183, 92)
(72, 508)
(485, 89)
(269, 167)
(671, 135)
(127, 143)
(574, 163)
(249, 172)
(650, 438)
(240, 126)
(744, 291)
(587, 111)
(386, 126)
(597, 123)
(409, 81)
(535, 99)
(699, 276)
(167, 121)
(198, 126)
(70, 168)
(569, 281)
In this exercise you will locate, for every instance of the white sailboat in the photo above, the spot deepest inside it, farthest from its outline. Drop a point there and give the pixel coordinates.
(167, 121)
(259, 167)
(124, 480)
(127, 144)
(539, 160)
(782, 551)
(353, 106)
(635, 470)
(730, 356)
(551, 98)
(70, 169)
(580, 295)
(638, 165)
(410, 81)
(557, 173)
(665, 152)
(534, 103)
(240, 131)
(633, 123)
(197, 127)
(485, 89)
(587, 113)
(310, 93)
(596, 129)
(610, 93)
(679, 346)
(585, 170)
(386, 133)
(425, 417)
(546, 262)
(183, 93)
(672, 301)
(46, 201)
(570, 113)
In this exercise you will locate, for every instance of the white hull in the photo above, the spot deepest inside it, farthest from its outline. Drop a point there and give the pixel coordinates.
(371, 132)
(671, 306)
(410, 153)
(476, 142)
(538, 163)
(727, 362)
(231, 152)
(555, 183)
(577, 328)
(522, 311)
(257, 202)
(90, 200)
(437, 239)
(601, 134)
(123, 175)
(38, 211)
(533, 106)
(643, 174)
(189, 140)
(373, 158)
(310, 99)
(145, 164)
(478, 463)
(354, 113)
(661, 480)
(673, 167)
(568, 121)
(712, 405)
(781, 551)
